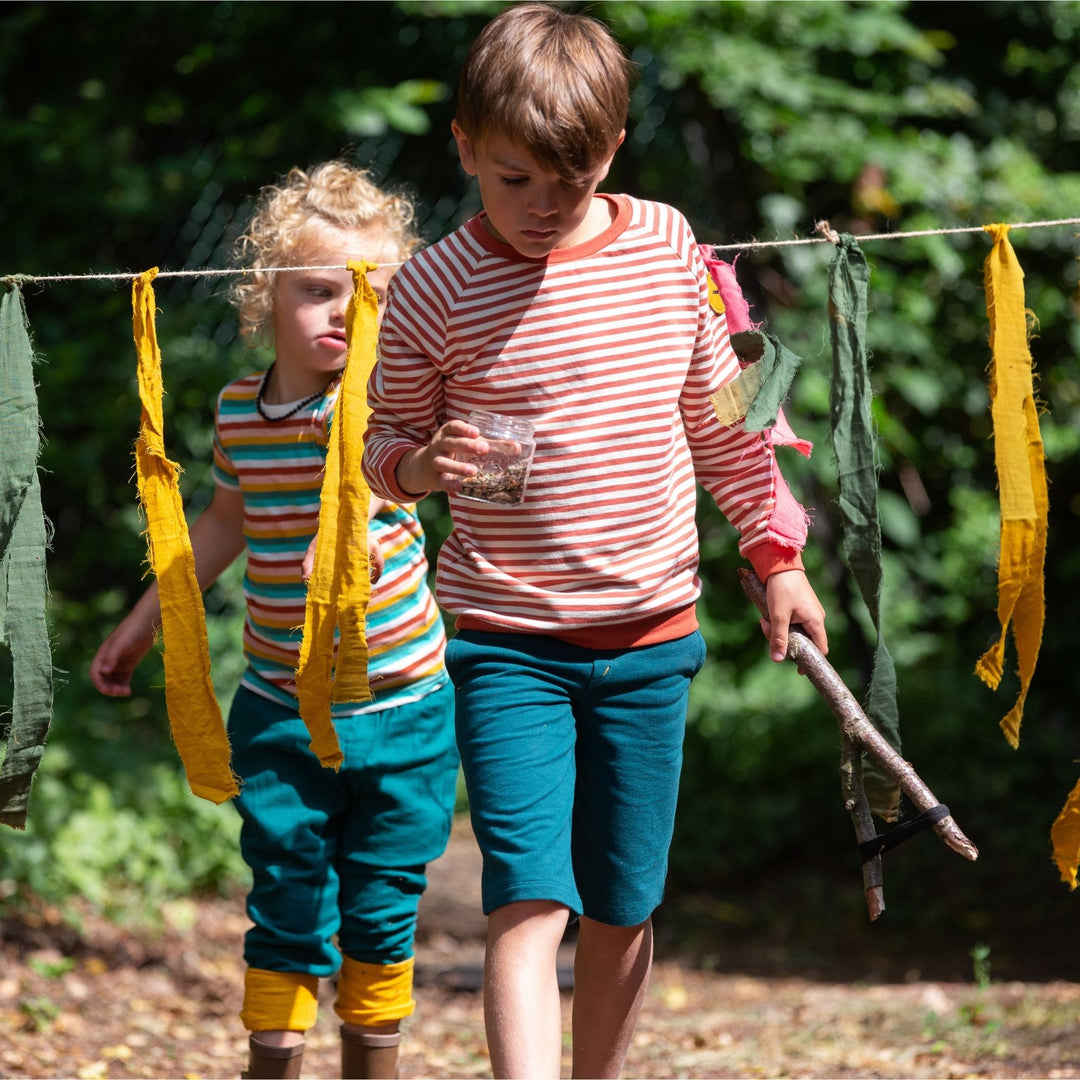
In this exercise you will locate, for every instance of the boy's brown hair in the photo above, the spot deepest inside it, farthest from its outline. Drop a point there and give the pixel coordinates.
(556, 83)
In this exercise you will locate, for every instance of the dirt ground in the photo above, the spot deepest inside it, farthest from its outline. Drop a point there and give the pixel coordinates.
(102, 1002)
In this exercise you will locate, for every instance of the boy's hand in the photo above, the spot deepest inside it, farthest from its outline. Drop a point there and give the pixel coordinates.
(438, 466)
(119, 655)
(792, 601)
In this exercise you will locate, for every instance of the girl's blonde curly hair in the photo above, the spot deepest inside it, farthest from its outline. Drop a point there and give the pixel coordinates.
(290, 215)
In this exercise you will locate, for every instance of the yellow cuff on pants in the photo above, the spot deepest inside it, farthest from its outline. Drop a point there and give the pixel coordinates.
(373, 994)
(279, 1000)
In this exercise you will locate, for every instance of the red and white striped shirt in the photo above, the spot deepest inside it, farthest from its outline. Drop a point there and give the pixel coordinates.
(611, 350)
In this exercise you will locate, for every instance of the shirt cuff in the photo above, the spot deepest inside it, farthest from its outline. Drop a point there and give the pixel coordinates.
(770, 558)
(394, 490)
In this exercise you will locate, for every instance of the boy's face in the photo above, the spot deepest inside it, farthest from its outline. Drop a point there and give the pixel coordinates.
(310, 305)
(533, 210)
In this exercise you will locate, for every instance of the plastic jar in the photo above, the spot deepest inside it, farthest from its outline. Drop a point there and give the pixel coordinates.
(503, 471)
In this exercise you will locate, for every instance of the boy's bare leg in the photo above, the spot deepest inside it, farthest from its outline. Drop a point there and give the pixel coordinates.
(522, 1010)
(611, 973)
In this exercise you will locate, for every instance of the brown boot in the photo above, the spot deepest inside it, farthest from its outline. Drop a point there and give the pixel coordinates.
(273, 1062)
(369, 1055)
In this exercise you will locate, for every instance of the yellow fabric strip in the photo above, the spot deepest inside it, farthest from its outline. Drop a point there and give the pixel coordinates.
(733, 400)
(1065, 836)
(194, 714)
(1021, 472)
(373, 994)
(279, 1000)
(340, 585)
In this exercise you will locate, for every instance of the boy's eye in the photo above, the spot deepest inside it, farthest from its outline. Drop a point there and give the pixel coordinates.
(513, 181)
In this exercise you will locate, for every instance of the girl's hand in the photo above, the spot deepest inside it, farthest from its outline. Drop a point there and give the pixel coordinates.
(376, 563)
(792, 601)
(307, 564)
(439, 465)
(217, 538)
(119, 655)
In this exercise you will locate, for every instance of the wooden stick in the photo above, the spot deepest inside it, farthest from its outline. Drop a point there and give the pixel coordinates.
(855, 725)
(857, 805)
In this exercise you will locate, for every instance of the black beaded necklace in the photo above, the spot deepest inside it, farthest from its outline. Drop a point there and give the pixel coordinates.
(297, 407)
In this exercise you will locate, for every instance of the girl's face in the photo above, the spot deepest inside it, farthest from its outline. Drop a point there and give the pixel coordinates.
(309, 305)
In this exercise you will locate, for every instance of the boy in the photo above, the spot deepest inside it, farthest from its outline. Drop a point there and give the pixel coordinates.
(576, 635)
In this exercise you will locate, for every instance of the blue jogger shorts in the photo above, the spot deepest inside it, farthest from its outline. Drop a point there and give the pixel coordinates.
(572, 759)
(338, 858)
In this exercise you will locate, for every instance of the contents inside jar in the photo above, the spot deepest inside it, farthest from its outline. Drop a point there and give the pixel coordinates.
(501, 475)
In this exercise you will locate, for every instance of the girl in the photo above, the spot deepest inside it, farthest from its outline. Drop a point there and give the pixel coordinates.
(338, 858)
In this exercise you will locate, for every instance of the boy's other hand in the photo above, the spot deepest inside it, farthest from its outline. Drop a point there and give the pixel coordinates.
(439, 465)
(792, 601)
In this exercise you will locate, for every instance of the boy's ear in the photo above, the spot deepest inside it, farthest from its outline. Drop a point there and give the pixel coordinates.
(607, 165)
(464, 148)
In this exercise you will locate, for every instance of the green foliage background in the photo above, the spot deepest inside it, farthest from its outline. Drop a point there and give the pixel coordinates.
(135, 135)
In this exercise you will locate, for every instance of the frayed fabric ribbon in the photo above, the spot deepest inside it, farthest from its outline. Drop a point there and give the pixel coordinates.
(1065, 837)
(857, 470)
(23, 581)
(768, 366)
(340, 585)
(755, 395)
(1019, 460)
(194, 714)
(1021, 473)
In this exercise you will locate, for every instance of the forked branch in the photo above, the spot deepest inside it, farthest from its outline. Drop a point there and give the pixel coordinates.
(859, 734)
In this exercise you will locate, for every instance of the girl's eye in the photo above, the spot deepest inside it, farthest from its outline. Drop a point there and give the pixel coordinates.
(513, 181)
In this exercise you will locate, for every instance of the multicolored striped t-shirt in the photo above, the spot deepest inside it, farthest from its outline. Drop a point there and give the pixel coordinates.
(278, 467)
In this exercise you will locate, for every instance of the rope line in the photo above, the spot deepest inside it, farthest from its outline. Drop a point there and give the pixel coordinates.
(829, 237)
(750, 245)
(32, 279)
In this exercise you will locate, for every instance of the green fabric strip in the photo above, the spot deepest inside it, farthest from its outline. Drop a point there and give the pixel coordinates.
(857, 471)
(778, 365)
(23, 583)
